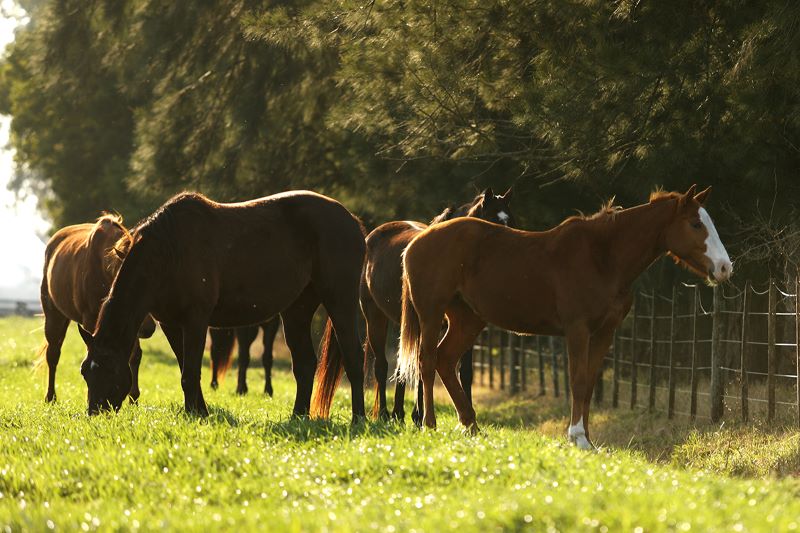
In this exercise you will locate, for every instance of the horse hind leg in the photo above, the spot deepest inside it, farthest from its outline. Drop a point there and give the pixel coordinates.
(598, 349)
(55, 329)
(462, 328)
(297, 331)
(270, 330)
(377, 325)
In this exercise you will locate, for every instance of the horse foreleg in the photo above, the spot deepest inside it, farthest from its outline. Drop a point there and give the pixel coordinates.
(598, 349)
(136, 360)
(194, 341)
(429, 335)
(244, 337)
(55, 328)
(465, 373)
(580, 383)
(270, 330)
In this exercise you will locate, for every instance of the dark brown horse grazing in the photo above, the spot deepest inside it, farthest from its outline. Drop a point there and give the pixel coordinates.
(78, 270)
(222, 341)
(381, 287)
(573, 280)
(196, 263)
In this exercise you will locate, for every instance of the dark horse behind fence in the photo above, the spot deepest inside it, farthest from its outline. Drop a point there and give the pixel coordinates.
(222, 341)
(196, 263)
(573, 280)
(79, 266)
(381, 287)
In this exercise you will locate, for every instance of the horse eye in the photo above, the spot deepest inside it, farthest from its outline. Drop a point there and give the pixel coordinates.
(697, 225)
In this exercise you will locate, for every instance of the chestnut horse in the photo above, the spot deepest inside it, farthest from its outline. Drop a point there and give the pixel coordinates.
(380, 292)
(222, 341)
(573, 280)
(78, 270)
(196, 263)
(381, 288)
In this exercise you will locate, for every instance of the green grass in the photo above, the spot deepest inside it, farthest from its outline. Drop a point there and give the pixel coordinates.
(249, 465)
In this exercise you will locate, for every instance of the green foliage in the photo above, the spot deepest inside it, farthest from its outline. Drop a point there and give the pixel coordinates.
(250, 466)
(400, 108)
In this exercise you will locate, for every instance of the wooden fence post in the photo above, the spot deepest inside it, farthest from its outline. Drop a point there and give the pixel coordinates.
(501, 350)
(771, 334)
(491, 357)
(797, 341)
(484, 348)
(651, 404)
(693, 394)
(513, 360)
(615, 378)
(542, 381)
(554, 366)
(744, 381)
(672, 335)
(565, 359)
(523, 359)
(634, 358)
(716, 358)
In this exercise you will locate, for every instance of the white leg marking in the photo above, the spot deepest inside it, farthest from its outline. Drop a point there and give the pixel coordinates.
(577, 434)
(715, 251)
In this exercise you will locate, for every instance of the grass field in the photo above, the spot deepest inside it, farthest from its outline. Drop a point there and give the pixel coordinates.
(249, 465)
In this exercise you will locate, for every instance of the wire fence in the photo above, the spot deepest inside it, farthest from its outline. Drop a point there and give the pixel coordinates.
(699, 352)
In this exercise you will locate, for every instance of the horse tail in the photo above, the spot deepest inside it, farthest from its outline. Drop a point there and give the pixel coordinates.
(41, 358)
(329, 373)
(222, 354)
(408, 355)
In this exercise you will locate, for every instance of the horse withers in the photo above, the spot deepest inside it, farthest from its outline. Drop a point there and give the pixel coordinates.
(79, 266)
(574, 280)
(196, 263)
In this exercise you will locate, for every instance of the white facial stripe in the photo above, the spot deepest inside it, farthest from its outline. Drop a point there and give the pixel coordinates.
(503, 217)
(577, 434)
(93, 365)
(715, 251)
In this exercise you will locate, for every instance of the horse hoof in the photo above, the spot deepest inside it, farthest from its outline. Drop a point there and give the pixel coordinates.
(471, 430)
(214, 385)
(582, 443)
(268, 390)
(50, 398)
(241, 391)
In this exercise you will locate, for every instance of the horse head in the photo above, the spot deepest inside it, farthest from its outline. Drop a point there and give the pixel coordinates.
(108, 381)
(493, 208)
(692, 240)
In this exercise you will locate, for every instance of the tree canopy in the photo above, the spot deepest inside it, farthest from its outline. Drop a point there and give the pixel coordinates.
(399, 108)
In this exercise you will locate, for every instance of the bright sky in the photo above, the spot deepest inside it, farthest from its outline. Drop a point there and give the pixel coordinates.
(21, 249)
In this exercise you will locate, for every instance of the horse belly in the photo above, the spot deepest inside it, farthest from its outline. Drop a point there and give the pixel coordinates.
(257, 291)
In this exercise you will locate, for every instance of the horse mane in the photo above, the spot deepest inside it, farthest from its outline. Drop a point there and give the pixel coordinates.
(109, 259)
(444, 216)
(607, 212)
(660, 194)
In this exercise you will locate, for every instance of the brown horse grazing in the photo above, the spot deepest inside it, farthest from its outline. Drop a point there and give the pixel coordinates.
(381, 287)
(573, 280)
(196, 263)
(78, 270)
(222, 341)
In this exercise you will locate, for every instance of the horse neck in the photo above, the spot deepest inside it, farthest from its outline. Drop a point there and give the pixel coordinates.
(128, 302)
(635, 239)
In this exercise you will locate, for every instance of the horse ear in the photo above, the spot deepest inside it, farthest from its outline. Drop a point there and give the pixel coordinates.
(509, 194)
(685, 197)
(86, 336)
(702, 195)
